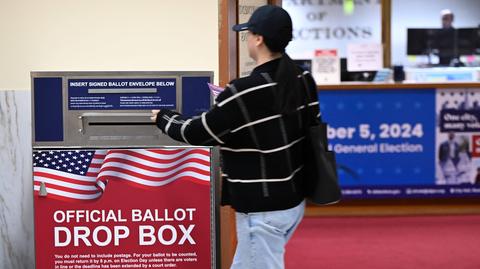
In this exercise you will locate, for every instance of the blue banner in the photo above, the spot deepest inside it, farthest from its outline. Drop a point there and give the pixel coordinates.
(121, 94)
(381, 138)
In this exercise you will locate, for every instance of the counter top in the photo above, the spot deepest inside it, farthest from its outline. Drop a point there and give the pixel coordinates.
(400, 85)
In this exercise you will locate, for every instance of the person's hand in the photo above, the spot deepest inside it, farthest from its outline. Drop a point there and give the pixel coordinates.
(165, 116)
(154, 115)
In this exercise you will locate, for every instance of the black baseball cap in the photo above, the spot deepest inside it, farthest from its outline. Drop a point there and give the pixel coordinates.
(270, 21)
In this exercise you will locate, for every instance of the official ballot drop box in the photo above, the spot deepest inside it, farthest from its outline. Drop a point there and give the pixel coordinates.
(110, 190)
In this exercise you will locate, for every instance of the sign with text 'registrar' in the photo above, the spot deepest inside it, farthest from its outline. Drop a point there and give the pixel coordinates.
(122, 94)
(118, 208)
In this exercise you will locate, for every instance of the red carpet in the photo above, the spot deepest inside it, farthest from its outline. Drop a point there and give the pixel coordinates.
(424, 242)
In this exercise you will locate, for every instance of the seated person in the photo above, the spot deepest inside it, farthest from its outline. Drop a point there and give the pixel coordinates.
(445, 39)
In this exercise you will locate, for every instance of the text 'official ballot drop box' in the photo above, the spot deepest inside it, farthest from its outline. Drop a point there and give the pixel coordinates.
(112, 191)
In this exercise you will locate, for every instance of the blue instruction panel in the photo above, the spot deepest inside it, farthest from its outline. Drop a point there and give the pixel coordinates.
(122, 94)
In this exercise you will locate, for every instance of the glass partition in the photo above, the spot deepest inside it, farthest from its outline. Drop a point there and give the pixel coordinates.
(435, 33)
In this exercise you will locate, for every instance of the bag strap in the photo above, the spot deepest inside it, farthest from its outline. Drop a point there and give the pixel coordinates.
(310, 112)
(314, 120)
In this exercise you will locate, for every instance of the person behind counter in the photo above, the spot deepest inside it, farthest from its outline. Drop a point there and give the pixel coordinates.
(446, 40)
(447, 19)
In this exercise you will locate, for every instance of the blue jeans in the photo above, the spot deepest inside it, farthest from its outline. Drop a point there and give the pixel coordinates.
(261, 237)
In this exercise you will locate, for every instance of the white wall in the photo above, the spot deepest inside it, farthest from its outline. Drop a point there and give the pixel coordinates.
(84, 35)
(426, 14)
(106, 35)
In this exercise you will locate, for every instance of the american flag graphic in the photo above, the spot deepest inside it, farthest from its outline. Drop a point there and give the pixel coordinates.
(84, 174)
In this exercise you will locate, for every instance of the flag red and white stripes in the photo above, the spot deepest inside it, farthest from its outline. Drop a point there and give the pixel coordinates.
(67, 176)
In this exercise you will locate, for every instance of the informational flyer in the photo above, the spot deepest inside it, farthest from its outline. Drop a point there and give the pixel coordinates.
(119, 208)
(326, 66)
(364, 57)
(405, 143)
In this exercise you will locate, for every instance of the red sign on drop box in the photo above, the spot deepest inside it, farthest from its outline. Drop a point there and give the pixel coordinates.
(135, 208)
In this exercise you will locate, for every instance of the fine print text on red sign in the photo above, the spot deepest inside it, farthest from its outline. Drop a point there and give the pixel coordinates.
(124, 260)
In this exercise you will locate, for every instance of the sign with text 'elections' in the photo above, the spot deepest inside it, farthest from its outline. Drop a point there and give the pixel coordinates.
(327, 24)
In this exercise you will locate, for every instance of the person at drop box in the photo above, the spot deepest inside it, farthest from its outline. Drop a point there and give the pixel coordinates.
(258, 122)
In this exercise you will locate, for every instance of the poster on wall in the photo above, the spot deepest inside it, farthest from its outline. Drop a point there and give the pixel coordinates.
(326, 66)
(119, 208)
(458, 137)
(331, 24)
(245, 11)
(405, 143)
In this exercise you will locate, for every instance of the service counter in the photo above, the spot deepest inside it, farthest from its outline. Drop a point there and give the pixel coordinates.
(404, 148)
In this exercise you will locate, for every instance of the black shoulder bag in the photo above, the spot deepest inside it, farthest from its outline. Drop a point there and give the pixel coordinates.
(320, 166)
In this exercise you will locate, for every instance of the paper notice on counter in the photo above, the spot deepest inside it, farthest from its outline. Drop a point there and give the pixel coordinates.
(364, 57)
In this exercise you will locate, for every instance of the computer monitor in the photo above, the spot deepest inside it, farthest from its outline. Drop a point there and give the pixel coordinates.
(417, 41)
(461, 41)
(305, 64)
(468, 41)
(346, 75)
(447, 44)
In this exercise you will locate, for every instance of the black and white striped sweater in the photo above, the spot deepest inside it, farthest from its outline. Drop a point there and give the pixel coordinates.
(261, 150)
